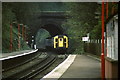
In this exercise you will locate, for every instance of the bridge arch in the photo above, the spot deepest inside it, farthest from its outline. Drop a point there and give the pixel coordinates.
(53, 29)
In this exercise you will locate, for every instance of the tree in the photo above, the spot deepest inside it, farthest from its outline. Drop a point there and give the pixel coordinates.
(18, 12)
(80, 23)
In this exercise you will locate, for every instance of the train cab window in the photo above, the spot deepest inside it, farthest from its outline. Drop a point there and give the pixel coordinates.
(56, 44)
(65, 44)
(60, 39)
(64, 40)
(56, 40)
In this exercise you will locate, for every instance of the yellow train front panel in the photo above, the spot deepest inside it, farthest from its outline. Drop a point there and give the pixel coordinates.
(66, 41)
(55, 41)
(60, 42)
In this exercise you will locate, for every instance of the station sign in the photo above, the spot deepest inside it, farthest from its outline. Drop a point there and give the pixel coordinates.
(85, 38)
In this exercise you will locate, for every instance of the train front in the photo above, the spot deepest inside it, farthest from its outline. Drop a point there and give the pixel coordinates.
(60, 44)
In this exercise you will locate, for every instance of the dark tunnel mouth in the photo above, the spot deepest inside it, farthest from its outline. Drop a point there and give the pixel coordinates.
(53, 29)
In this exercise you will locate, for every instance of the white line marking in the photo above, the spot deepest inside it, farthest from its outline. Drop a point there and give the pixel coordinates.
(9, 57)
(60, 69)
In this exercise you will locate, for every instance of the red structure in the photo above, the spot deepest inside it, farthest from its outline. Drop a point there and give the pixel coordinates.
(11, 37)
(23, 32)
(109, 62)
(18, 36)
(102, 54)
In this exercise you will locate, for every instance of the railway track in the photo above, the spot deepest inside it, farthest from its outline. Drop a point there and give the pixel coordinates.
(29, 69)
(17, 60)
(40, 68)
(17, 65)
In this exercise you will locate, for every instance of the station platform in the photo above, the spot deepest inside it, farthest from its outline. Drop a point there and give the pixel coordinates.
(4, 56)
(76, 67)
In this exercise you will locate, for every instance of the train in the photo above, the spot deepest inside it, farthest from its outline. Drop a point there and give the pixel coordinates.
(58, 44)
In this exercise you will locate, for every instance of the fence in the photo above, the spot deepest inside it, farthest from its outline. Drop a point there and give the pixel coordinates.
(93, 47)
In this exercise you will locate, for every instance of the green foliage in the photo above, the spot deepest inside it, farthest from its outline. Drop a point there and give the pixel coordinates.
(96, 32)
(8, 17)
(24, 11)
(81, 22)
(75, 33)
(6, 40)
(83, 13)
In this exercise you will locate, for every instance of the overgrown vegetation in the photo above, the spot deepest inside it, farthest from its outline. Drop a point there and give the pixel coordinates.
(15, 12)
(82, 21)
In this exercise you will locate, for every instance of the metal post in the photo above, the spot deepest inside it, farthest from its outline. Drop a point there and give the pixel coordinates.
(11, 37)
(23, 32)
(102, 54)
(18, 36)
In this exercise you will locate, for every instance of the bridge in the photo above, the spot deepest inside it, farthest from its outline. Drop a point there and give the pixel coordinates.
(48, 19)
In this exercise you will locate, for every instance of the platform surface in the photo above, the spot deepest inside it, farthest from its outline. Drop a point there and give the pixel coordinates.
(83, 67)
(15, 54)
(76, 67)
